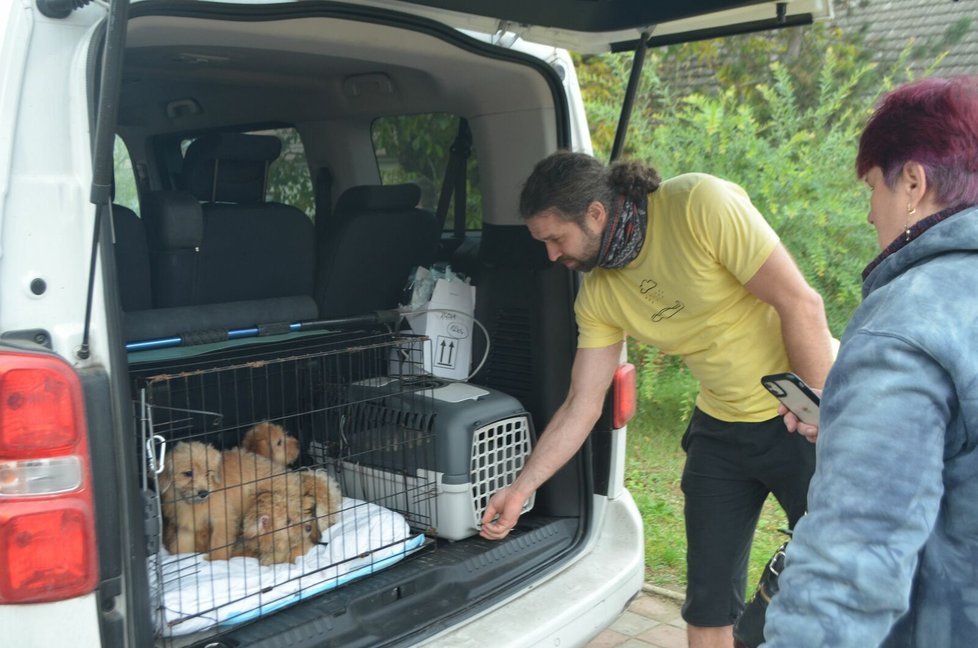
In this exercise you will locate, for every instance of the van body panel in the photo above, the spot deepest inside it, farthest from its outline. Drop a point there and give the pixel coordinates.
(73, 621)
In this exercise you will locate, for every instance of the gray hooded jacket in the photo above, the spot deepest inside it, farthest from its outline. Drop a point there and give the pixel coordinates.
(888, 553)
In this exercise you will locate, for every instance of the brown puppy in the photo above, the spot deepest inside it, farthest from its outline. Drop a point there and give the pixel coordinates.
(191, 476)
(321, 500)
(272, 528)
(289, 515)
(273, 442)
(244, 474)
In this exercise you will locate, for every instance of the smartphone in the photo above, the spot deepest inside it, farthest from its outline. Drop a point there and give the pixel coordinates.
(795, 395)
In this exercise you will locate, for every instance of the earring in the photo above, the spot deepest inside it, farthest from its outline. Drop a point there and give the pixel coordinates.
(911, 210)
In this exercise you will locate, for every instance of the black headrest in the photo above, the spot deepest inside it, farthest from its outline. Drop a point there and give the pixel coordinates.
(241, 161)
(173, 220)
(379, 198)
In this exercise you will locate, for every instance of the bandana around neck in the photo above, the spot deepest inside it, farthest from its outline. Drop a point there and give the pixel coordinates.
(624, 235)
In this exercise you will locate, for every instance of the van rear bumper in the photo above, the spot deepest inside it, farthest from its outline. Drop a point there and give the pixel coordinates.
(574, 604)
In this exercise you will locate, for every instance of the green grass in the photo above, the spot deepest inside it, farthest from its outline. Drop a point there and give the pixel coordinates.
(654, 467)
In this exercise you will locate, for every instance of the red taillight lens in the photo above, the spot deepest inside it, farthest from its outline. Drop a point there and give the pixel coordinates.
(624, 396)
(47, 555)
(39, 405)
(47, 526)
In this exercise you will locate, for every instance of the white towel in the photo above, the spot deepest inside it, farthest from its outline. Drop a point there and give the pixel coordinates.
(198, 594)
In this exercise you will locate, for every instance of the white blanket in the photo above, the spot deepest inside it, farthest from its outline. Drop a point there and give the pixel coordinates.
(198, 594)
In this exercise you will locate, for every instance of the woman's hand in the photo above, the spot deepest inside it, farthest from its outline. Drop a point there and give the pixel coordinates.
(791, 422)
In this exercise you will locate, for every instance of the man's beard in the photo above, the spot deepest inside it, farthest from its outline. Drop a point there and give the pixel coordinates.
(589, 260)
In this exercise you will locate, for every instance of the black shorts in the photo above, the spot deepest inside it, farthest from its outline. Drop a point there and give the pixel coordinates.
(730, 470)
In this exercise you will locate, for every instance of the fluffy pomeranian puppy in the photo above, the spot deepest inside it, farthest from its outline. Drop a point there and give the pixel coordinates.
(270, 440)
(245, 474)
(272, 528)
(321, 498)
(288, 516)
(192, 475)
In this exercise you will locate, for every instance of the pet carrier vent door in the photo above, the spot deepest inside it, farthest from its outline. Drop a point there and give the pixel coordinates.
(499, 451)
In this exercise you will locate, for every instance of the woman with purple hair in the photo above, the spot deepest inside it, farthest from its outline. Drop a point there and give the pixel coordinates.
(888, 552)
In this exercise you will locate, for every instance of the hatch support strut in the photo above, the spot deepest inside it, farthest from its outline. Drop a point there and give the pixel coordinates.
(634, 80)
(110, 80)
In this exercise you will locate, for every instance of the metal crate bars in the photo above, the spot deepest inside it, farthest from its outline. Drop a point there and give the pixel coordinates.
(312, 392)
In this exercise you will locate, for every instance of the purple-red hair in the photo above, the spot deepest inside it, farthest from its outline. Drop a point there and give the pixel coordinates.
(933, 122)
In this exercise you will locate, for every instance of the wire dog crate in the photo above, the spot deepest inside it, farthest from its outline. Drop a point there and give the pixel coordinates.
(413, 456)
(200, 419)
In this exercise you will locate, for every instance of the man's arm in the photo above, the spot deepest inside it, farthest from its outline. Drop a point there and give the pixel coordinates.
(568, 428)
(804, 328)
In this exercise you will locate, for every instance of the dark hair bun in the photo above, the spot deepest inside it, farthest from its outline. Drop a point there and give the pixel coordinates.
(634, 179)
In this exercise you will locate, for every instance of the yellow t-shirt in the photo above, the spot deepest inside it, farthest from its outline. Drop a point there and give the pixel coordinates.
(685, 294)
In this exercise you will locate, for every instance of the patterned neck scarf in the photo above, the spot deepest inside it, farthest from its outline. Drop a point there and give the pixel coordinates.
(624, 235)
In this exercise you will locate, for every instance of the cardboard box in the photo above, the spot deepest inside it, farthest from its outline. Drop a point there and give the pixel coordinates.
(446, 319)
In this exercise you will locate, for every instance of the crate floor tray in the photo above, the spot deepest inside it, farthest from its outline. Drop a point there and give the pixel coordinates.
(197, 594)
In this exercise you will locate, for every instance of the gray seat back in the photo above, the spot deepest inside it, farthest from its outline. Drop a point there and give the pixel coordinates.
(251, 249)
(221, 257)
(378, 235)
(175, 233)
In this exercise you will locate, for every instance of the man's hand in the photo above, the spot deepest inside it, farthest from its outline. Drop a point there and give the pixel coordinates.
(564, 435)
(502, 512)
(791, 422)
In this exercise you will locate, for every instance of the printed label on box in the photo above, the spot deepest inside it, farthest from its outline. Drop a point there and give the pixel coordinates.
(446, 319)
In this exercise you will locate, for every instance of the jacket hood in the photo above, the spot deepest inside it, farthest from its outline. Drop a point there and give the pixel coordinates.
(958, 233)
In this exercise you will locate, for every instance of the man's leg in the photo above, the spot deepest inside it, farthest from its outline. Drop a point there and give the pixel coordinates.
(698, 637)
(784, 463)
(790, 466)
(722, 505)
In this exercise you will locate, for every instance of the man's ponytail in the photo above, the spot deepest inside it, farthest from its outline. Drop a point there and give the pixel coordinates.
(633, 179)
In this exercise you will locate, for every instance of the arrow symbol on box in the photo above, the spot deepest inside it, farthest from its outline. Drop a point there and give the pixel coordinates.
(448, 348)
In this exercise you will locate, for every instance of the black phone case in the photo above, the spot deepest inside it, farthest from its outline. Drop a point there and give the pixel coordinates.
(795, 395)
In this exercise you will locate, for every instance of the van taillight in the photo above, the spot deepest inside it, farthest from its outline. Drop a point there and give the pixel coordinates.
(47, 525)
(624, 398)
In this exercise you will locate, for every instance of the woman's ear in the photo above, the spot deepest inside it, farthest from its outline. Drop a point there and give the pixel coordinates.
(920, 194)
(915, 179)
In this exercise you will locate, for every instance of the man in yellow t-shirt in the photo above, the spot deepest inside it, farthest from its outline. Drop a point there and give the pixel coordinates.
(688, 265)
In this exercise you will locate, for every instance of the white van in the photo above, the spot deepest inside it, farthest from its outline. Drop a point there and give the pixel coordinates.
(208, 216)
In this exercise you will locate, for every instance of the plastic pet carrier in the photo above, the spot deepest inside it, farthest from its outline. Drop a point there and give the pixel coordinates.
(471, 441)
